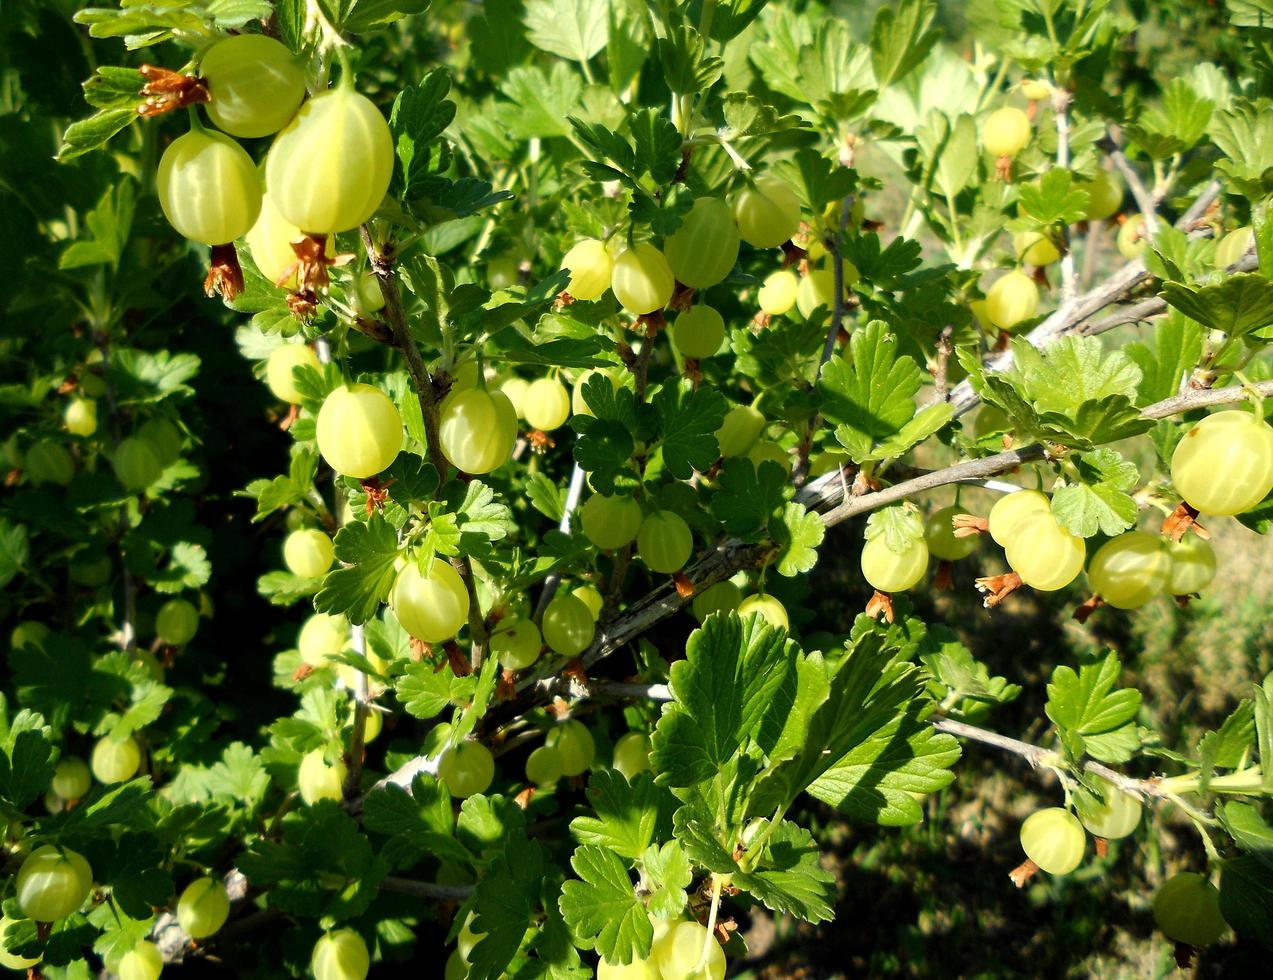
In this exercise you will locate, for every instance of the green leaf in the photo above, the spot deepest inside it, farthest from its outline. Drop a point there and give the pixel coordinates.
(93, 133)
(1237, 305)
(1174, 125)
(949, 150)
(418, 823)
(1072, 371)
(900, 525)
(746, 497)
(1244, 135)
(687, 67)
(668, 874)
(901, 38)
(1177, 348)
(816, 180)
(368, 551)
(426, 691)
(602, 906)
(1249, 830)
(629, 818)
(688, 420)
(1246, 897)
(542, 102)
(572, 29)
(798, 535)
(870, 392)
(734, 686)
(789, 878)
(656, 145)
(1086, 704)
(25, 769)
(113, 87)
(109, 224)
(960, 675)
(1099, 504)
(370, 14)
(1055, 199)
(419, 116)
(15, 550)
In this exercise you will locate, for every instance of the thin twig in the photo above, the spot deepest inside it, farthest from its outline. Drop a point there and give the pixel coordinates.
(1145, 201)
(577, 476)
(1061, 113)
(357, 739)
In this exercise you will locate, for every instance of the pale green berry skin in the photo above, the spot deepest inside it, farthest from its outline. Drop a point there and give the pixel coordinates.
(568, 625)
(143, 962)
(52, 883)
(467, 769)
(203, 908)
(71, 779)
(177, 622)
(340, 955)
(576, 745)
(1053, 838)
(1187, 910)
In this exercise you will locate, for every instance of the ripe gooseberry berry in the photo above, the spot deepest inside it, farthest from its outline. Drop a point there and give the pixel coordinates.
(610, 522)
(568, 626)
(638, 969)
(318, 780)
(723, 597)
(543, 766)
(1187, 910)
(1011, 509)
(329, 168)
(1193, 565)
(478, 429)
(1105, 196)
(203, 908)
(255, 82)
(1111, 814)
(767, 212)
(767, 608)
(270, 243)
(1012, 299)
(1224, 464)
(164, 439)
(1130, 569)
(369, 298)
(769, 452)
(115, 760)
(52, 883)
(641, 280)
(1035, 248)
(590, 597)
(136, 464)
(208, 187)
(703, 250)
(514, 389)
(1045, 555)
(516, 643)
(664, 542)
(9, 959)
(778, 292)
(739, 430)
(546, 404)
(176, 622)
(80, 417)
(503, 271)
(1036, 89)
(817, 289)
(888, 570)
(322, 636)
(698, 332)
(575, 745)
(340, 955)
(632, 754)
(1054, 840)
(1131, 240)
(939, 534)
(467, 769)
(143, 962)
(679, 952)
(1234, 245)
(71, 778)
(433, 605)
(308, 553)
(280, 370)
(29, 634)
(1006, 132)
(48, 462)
(591, 268)
(359, 430)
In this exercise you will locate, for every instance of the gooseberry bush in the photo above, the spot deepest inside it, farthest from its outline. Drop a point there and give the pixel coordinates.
(573, 333)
